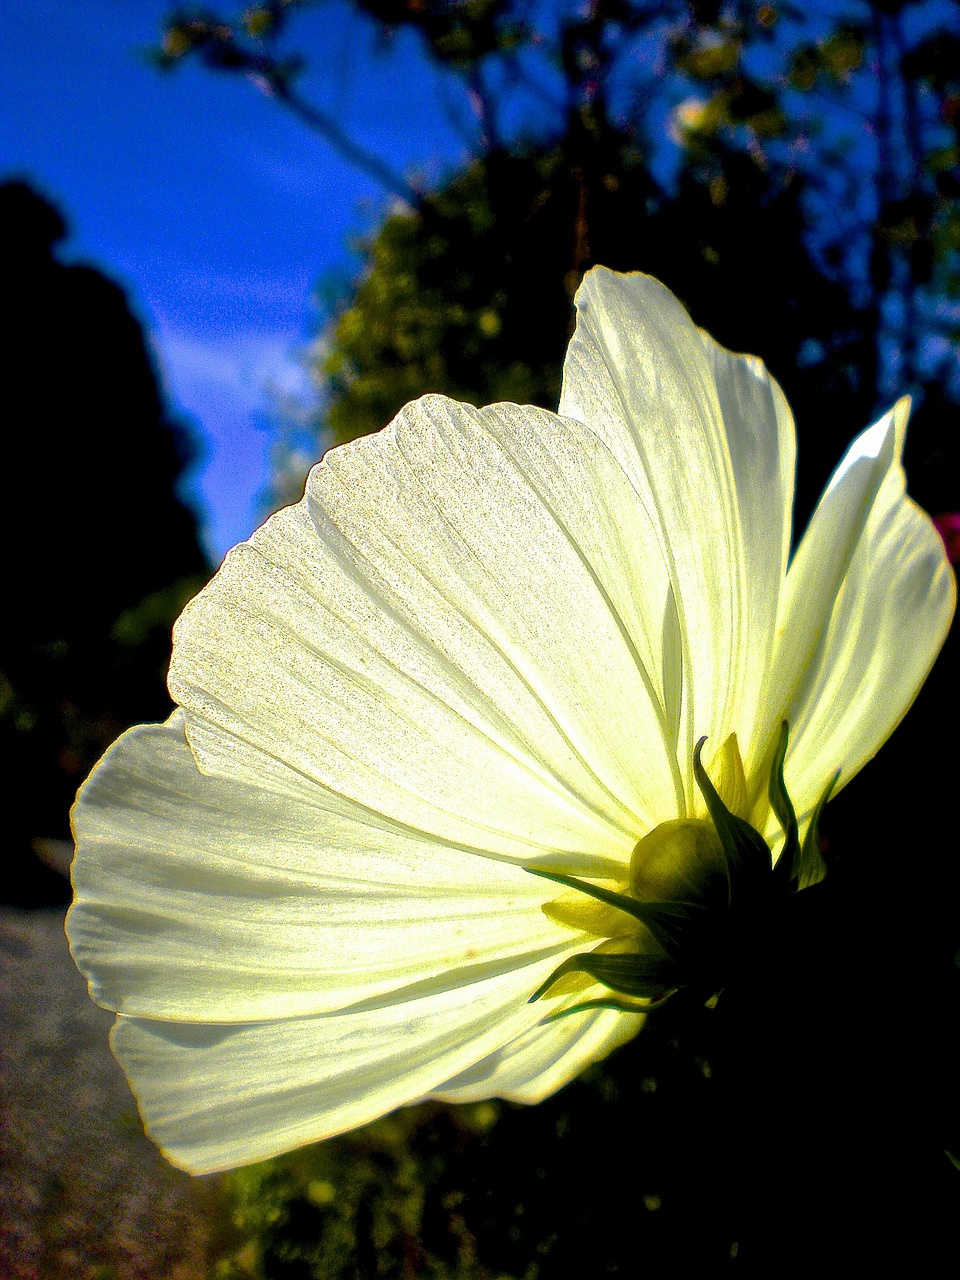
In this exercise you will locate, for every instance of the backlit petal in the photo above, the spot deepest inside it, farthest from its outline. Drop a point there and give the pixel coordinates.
(707, 440)
(227, 903)
(450, 630)
(213, 1097)
(868, 603)
(545, 1058)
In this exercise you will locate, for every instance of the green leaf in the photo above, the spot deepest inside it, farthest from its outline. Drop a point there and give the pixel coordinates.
(748, 858)
(609, 1002)
(630, 974)
(812, 868)
(787, 866)
(671, 923)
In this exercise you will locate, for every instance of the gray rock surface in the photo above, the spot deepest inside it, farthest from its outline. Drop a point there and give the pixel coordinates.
(83, 1194)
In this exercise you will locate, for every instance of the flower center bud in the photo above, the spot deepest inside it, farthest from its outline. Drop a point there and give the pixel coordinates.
(701, 894)
(680, 861)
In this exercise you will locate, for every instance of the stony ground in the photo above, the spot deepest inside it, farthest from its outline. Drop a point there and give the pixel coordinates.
(83, 1194)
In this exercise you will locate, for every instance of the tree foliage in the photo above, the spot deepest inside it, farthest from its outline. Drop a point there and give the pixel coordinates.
(790, 170)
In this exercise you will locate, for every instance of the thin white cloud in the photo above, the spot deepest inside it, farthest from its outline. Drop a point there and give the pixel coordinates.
(229, 386)
(246, 369)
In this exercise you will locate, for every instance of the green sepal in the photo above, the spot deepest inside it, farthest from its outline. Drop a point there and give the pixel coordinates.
(812, 869)
(627, 973)
(671, 923)
(607, 1002)
(748, 858)
(787, 866)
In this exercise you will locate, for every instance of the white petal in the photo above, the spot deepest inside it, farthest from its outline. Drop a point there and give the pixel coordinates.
(867, 606)
(543, 1059)
(453, 629)
(202, 899)
(215, 1097)
(707, 439)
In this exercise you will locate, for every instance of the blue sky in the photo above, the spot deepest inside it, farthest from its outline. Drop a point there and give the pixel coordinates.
(215, 211)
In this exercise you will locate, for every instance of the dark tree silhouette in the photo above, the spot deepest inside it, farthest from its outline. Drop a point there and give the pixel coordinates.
(102, 552)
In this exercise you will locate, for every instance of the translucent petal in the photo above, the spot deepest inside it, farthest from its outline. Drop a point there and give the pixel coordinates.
(202, 899)
(868, 602)
(543, 1059)
(708, 442)
(454, 629)
(215, 1097)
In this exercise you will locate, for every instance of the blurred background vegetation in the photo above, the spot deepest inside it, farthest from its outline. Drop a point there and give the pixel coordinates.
(791, 171)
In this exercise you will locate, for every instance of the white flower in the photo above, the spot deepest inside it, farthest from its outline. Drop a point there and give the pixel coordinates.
(485, 640)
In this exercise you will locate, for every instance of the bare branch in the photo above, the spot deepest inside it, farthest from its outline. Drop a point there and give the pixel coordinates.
(279, 88)
(220, 47)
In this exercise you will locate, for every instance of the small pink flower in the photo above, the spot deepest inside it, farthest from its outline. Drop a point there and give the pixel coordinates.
(948, 527)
